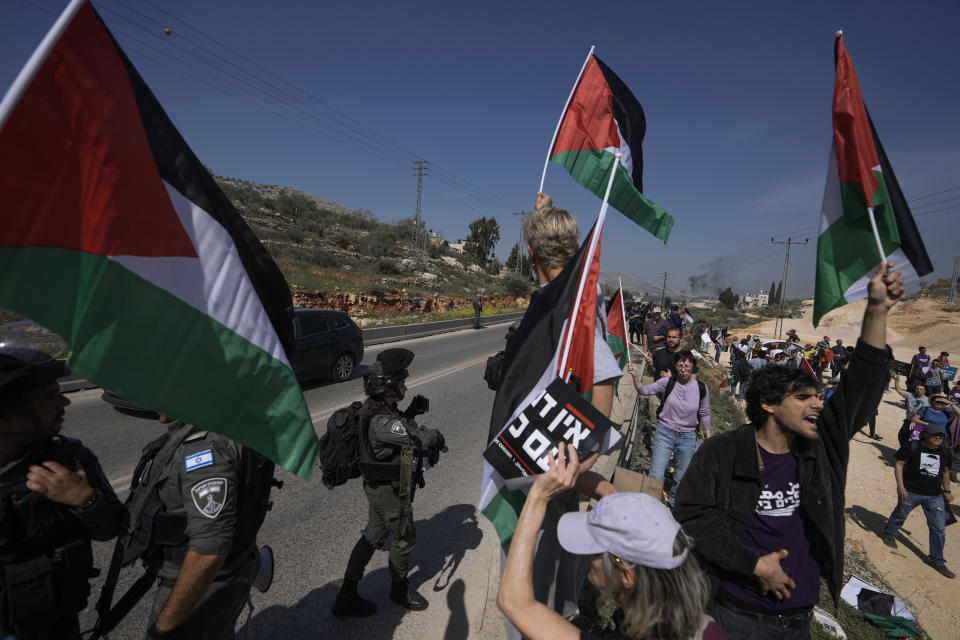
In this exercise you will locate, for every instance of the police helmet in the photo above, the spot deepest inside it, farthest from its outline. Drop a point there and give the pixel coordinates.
(20, 363)
(385, 376)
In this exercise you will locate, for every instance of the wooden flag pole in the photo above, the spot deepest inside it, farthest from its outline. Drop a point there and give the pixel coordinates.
(876, 236)
(39, 56)
(546, 163)
(623, 312)
(594, 239)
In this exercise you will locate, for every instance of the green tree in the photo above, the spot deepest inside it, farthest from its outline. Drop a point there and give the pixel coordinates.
(517, 254)
(728, 298)
(772, 292)
(292, 204)
(779, 292)
(484, 236)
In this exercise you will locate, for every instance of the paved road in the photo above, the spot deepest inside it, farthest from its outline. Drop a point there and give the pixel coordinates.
(312, 529)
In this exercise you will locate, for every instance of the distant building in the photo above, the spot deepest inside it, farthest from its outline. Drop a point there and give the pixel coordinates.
(756, 300)
(457, 246)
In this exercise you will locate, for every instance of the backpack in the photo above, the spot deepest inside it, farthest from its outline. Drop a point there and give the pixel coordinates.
(494, 369)
(339, 452)
(671, 383)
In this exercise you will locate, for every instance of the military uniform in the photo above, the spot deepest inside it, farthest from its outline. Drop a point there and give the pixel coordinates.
(45, 549)
(198, 483)
(389, 512)
(392, 448)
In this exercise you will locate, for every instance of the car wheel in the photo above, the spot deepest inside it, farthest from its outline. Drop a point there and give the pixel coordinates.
(343, 367)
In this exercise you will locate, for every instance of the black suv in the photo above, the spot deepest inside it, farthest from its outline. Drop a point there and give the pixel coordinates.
(329, 345)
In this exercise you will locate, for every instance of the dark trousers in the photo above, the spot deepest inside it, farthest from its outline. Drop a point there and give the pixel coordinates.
(387, 515)
(215, 616)
(65, 626)
(743, 625)
(476, 318)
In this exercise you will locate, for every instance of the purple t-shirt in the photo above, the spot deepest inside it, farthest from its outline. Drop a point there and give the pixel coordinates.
(777, 524)
(682, 406)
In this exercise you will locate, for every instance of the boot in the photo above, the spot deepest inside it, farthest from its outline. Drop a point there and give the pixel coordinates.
(406, 596)
(350, 604)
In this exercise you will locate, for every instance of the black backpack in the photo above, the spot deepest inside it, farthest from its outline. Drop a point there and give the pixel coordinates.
(494, 369)
(671, 383)
(339, 446)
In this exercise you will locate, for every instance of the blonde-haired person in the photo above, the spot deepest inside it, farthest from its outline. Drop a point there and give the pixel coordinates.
(638, 555)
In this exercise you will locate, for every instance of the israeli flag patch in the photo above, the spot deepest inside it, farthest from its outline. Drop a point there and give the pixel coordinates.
(198, 460)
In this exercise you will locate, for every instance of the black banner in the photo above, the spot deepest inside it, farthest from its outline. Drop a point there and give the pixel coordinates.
(902, 368)
(557, 414)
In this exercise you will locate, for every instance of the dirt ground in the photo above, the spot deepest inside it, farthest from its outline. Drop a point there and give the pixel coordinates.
(871, 488)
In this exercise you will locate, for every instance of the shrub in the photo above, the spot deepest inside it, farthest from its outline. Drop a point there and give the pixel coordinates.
(517, 285)
(388, 266)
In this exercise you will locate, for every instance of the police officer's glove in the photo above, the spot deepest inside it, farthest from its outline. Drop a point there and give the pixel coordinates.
(418, 406)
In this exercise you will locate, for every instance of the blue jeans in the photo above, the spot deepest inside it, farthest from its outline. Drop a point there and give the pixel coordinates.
(933, 508)
(668, 442)
(736, 380)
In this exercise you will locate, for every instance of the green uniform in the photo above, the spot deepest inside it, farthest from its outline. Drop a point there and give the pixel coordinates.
(389, 511)
(199, 485)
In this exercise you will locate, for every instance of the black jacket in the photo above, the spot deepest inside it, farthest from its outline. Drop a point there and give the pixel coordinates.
(717, 500)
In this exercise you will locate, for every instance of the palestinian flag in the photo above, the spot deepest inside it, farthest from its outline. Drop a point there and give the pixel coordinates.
(617, 329)
(565, 310)
(601, 118)
(116, 237)
(806, 367)
(860, 178)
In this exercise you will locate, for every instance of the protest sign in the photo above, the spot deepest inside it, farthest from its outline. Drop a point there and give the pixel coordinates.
(557, 414)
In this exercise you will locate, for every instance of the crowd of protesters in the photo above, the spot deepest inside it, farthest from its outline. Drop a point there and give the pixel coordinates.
(754, 520)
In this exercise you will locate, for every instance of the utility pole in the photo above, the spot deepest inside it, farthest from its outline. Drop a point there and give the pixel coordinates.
(663, 292)
(953, 281)
(778, 325)
(419, 172)
(522, 247)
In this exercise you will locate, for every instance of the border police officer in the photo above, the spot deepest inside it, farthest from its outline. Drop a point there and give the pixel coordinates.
(54, 498)
(196, 504)
(392, 447)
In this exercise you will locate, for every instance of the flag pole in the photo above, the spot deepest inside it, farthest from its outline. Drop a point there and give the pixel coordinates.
(876, 235)
(623, 313)
(37, 58)
(594, 239)
(546, 163)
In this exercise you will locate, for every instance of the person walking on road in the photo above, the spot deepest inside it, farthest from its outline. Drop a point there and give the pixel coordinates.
(477, 310)
(685, 407)
(923, 479)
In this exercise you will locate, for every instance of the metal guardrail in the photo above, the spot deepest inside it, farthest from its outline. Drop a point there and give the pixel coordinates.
(381, 335)
(371, 337)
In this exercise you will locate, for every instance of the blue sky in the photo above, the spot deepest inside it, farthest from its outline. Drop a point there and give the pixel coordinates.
(737, 98)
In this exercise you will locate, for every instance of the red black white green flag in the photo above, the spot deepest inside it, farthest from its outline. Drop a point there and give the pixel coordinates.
(860, 180)
(555, 339)
(116, 237)
(617, 328)
(601, 118)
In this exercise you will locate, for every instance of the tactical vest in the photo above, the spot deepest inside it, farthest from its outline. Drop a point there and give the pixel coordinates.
(45, 556)
(152, 530)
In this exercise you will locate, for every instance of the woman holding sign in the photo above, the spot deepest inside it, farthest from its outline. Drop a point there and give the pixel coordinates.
(638, 554)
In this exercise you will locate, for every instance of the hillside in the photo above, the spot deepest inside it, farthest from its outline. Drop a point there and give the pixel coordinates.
(334, 256)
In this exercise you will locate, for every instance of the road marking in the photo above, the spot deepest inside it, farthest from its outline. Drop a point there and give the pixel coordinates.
(122, 484)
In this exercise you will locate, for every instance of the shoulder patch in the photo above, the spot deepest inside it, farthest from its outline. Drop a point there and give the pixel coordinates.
(209, 496)
(397, 428)
(198, 460)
